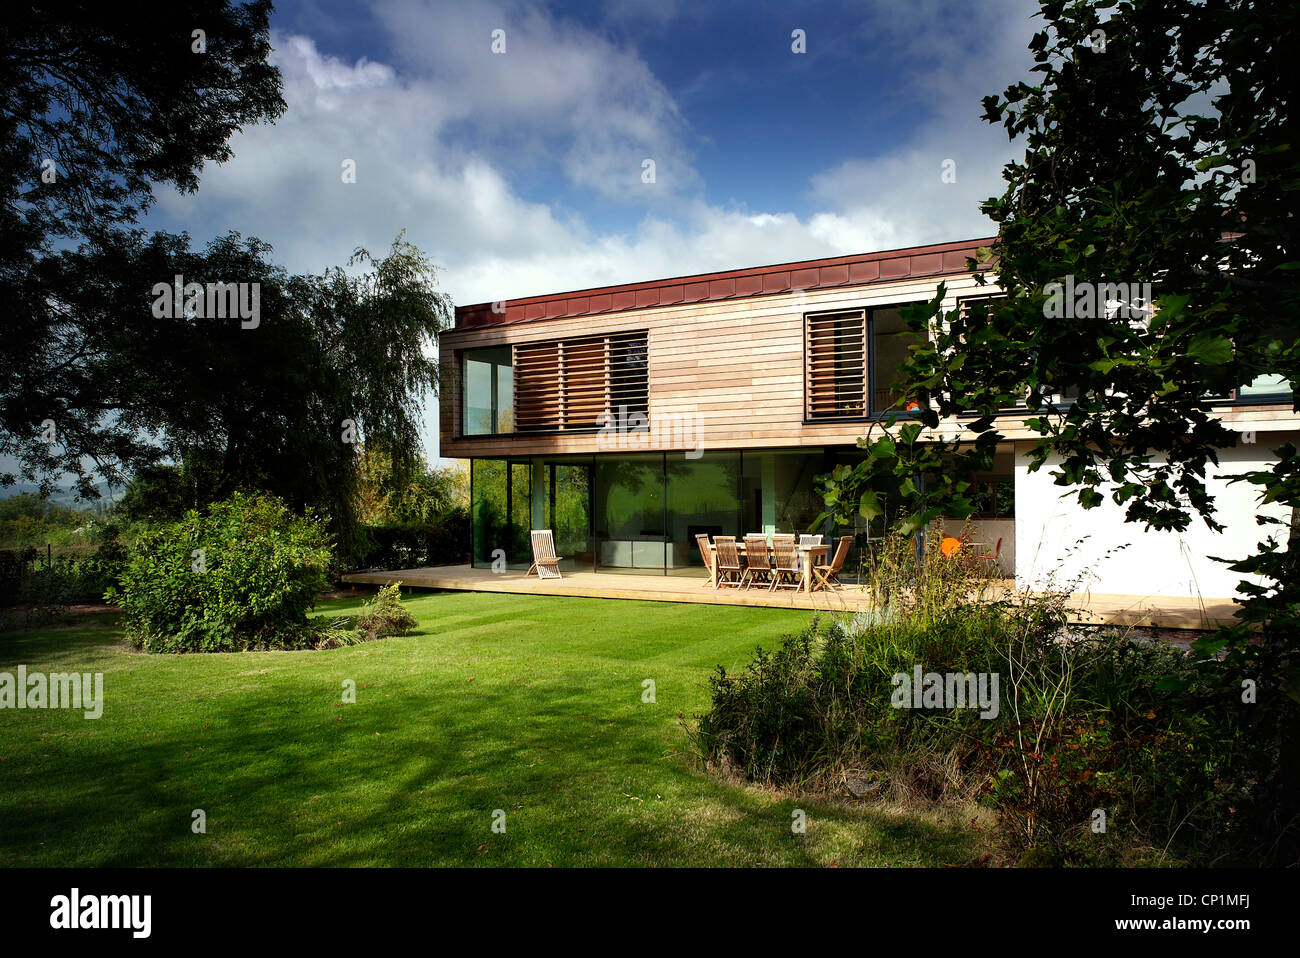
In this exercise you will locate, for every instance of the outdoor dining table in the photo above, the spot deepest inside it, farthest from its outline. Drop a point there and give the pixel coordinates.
(807, 556)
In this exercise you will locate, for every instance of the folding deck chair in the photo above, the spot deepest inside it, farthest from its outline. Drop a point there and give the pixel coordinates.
(545, 561)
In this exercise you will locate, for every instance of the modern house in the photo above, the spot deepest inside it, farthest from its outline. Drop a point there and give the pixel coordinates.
(631, 418)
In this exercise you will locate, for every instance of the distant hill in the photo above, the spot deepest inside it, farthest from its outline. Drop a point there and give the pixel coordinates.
(65, 497)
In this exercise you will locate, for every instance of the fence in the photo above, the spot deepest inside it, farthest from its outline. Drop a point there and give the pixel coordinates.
(50, 574)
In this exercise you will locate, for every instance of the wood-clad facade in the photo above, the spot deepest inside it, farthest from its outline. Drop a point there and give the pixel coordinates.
(727, 355)
(632, 418)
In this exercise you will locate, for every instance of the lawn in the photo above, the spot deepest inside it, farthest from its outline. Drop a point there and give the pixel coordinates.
(527, 704)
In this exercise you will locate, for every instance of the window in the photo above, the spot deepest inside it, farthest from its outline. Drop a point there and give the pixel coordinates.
(846, 379)
(837, 365)
(973, 307)
(572, 383)
(488, 400)
(890, 339)
(993, 498)
(1272, 386)
(1254, 346)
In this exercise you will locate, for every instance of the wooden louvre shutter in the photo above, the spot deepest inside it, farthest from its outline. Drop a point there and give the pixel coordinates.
(628, 368)
(836, 377)
(538, 401)
(569, 384)
(586, 383)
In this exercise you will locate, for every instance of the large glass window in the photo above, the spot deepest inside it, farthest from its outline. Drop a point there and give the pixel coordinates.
(890, 339)
(501, 512)
(488, 392)
(796, 503)
(1265, 387)
(703, 498)
(565, 487)
(488, 507)
(641, 512)
(629, 513)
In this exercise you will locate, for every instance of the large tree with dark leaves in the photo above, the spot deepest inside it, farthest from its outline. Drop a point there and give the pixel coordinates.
(280, 402)
(99, 102)
(96, 382)
(1161, 147)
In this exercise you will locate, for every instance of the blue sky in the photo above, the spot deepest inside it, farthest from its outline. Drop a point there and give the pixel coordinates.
(520, 173)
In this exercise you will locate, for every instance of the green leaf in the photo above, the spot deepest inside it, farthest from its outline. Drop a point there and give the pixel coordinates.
(1210, 349)
(869, 505)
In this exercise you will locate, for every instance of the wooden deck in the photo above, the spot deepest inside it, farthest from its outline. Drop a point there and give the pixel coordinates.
(1090, 608)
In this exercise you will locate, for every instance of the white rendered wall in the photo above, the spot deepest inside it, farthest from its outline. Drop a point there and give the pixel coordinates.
(1153, 563)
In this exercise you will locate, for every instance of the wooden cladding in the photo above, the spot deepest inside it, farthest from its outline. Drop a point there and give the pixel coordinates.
(836, 356)
(569, 384)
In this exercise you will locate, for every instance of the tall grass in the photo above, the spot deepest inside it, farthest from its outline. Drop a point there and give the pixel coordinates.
(1103, 749)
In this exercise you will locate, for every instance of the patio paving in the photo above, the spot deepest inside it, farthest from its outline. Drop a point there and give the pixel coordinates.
(1090, 608)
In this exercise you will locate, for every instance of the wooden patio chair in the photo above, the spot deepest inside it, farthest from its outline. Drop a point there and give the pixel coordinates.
(826, 576)
(787, 570)
(702, 541)
(757, 561)
(729, 570)
(545, 562)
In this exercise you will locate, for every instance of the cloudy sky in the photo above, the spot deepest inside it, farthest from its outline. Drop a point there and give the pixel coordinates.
(521, 172)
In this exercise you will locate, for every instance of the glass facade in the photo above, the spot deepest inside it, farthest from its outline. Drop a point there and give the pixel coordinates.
(629, 513)
(566, 508)
(703, 497)
(640, 513)
(500, 512)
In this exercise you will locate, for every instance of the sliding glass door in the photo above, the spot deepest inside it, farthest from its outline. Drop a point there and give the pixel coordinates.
(501, 512)
(629, 513)
(639, 512)
(564, 489)
(703, 497)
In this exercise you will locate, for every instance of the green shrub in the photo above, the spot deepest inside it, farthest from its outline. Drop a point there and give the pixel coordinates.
(243, 575)
(443, 541)
(385, 615)
(821, 702)
(1088, 721)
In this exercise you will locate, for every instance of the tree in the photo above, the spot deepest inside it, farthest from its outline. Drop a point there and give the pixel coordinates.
(99, 102)
(1160, 148)
(415, 493)
(277, 402)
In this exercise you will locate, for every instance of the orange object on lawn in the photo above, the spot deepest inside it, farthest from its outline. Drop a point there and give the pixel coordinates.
(949, 547)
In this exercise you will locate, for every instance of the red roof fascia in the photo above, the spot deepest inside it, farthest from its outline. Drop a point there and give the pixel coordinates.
(884, 266)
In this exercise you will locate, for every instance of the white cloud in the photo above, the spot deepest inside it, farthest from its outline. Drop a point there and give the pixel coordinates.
(449, 138)
(900, 197)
